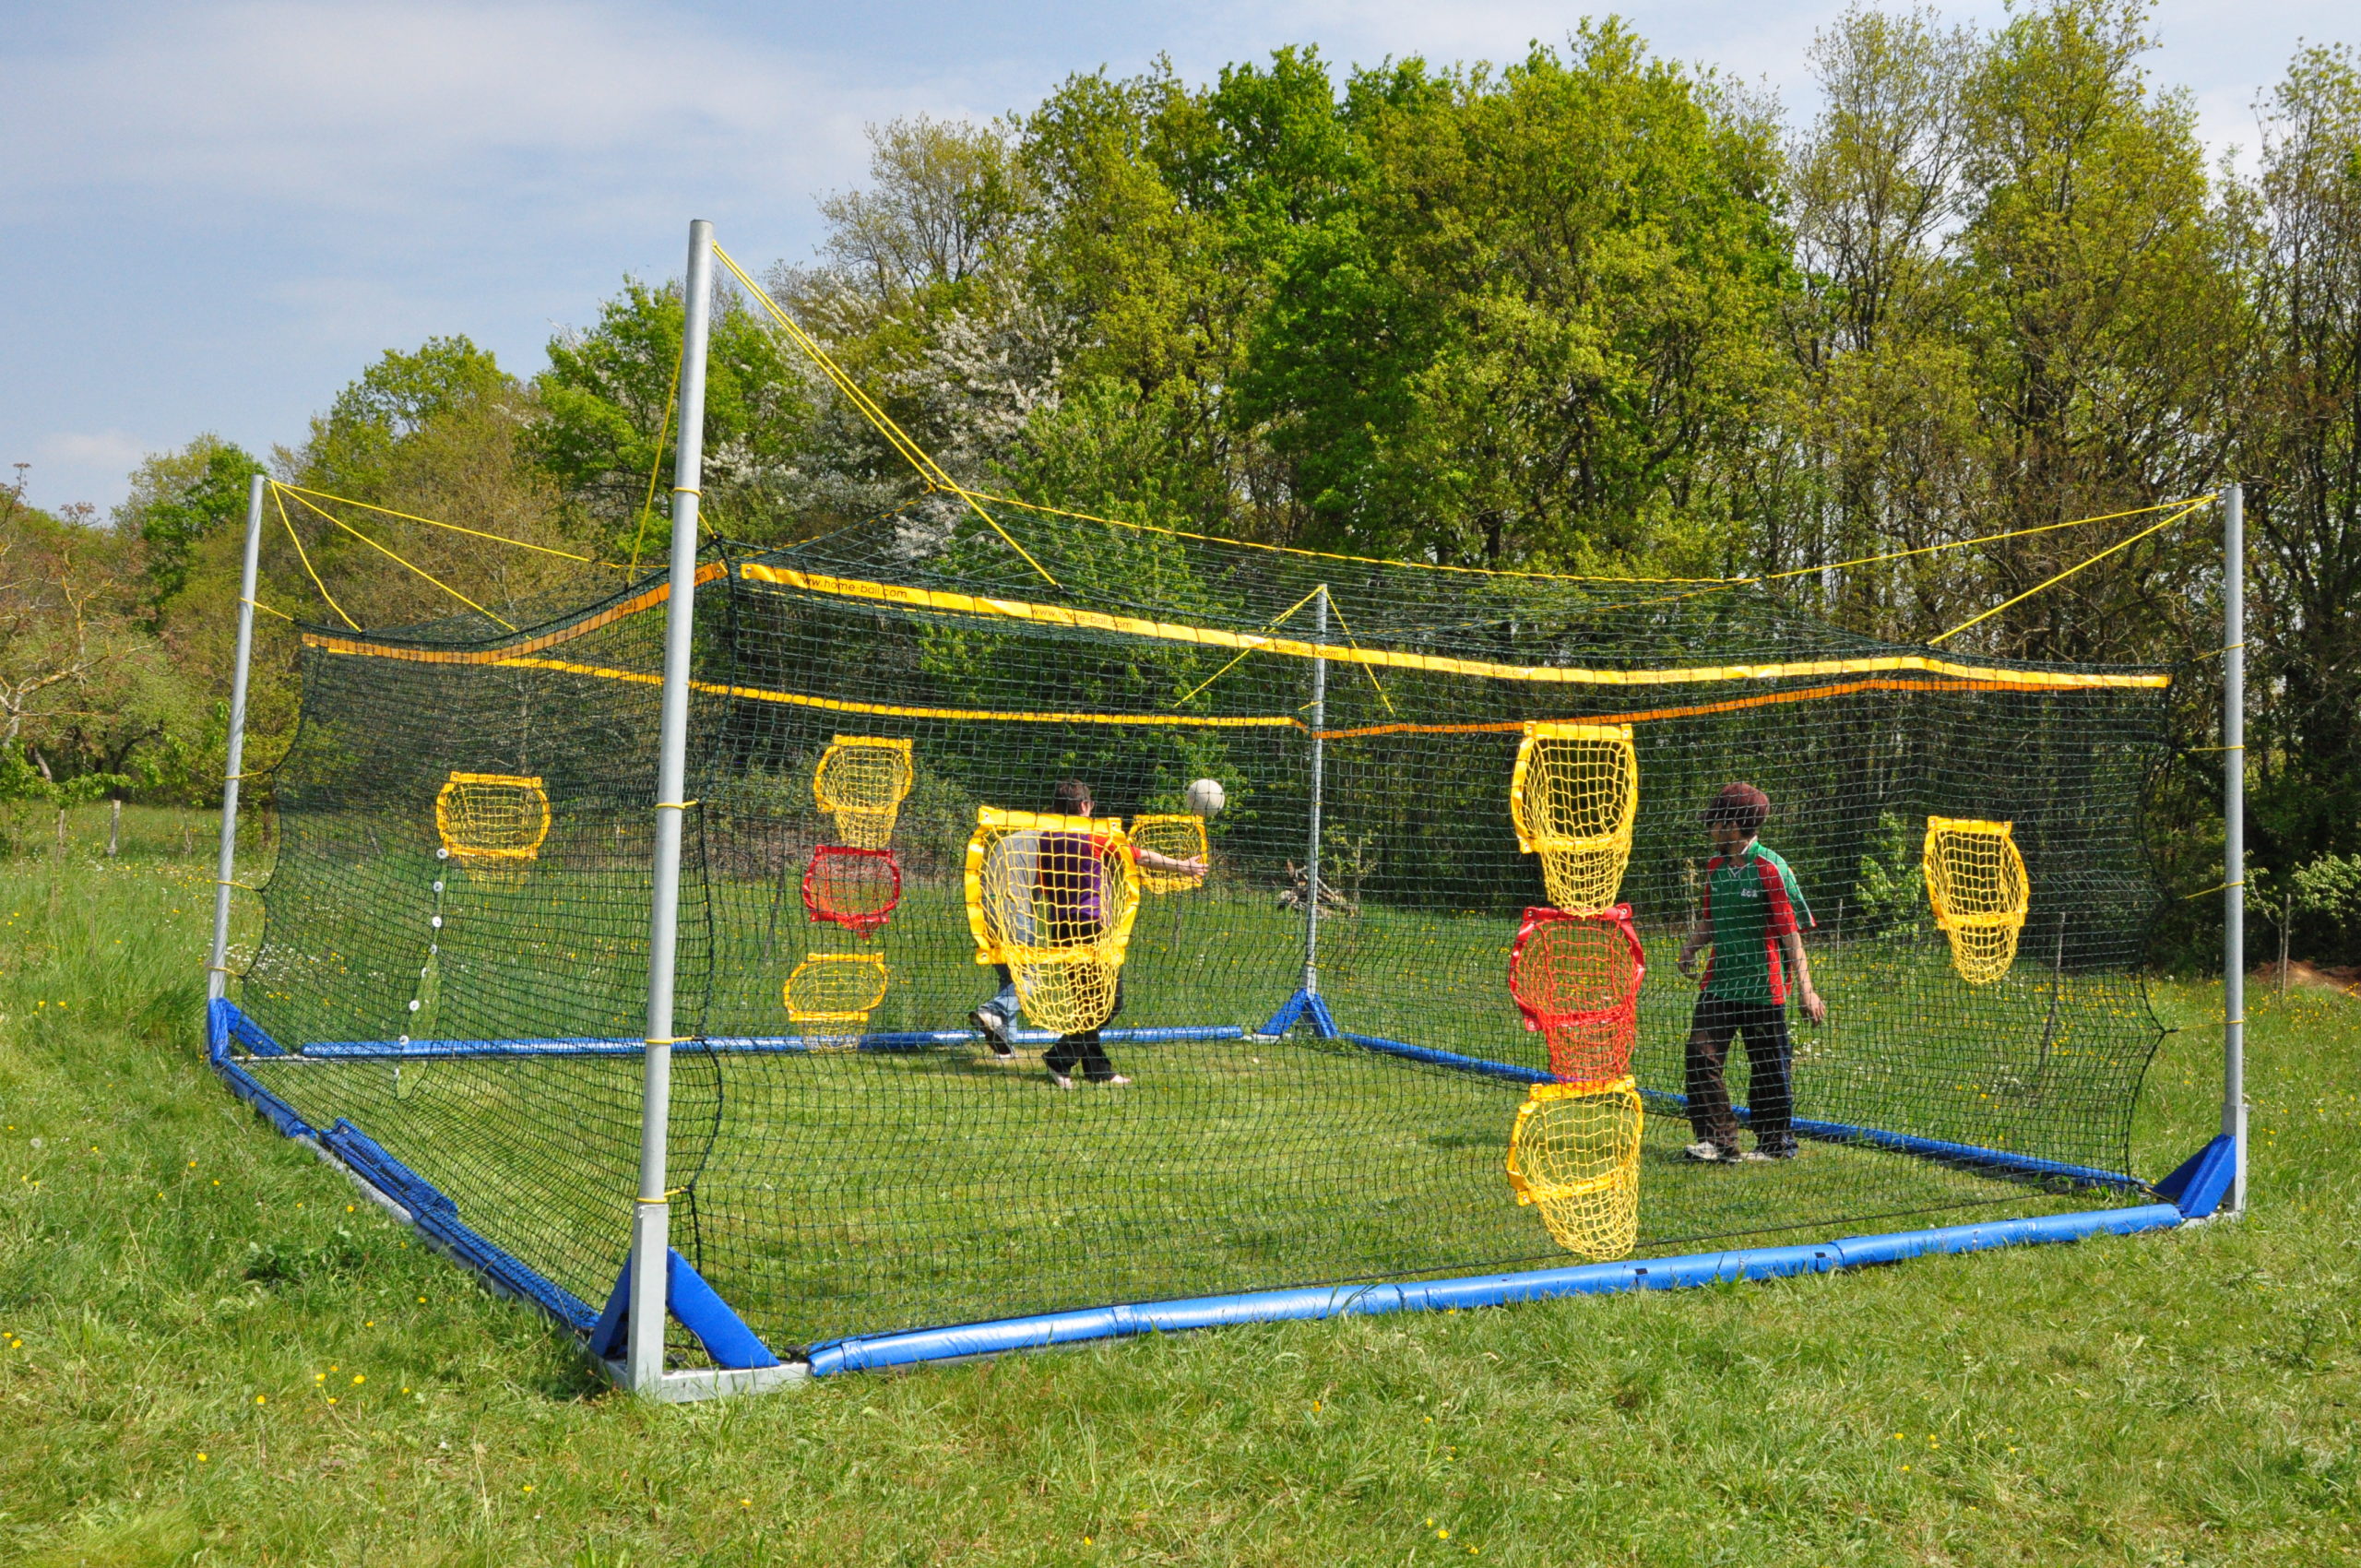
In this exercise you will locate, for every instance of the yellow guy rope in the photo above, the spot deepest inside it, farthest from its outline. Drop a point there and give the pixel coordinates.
(1226, 669)
(297, 544)
(648, 505)
(1366, 670)
(912, 453)
(398, 560)
(2038, 588)
(267, 610)
(299, 492)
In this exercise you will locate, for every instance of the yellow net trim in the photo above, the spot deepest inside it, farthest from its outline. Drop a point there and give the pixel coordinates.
(1574, 1155)
(1178, 837)
(1573, 796)
(830, 996)
(1029, 881)
(492, 819)
(1976, 884)
(861, 782)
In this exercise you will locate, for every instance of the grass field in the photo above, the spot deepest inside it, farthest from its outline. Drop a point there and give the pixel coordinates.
(210, 1350)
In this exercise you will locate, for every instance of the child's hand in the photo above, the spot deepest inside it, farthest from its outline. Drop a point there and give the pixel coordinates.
(1814, 1008)
(1687, 963)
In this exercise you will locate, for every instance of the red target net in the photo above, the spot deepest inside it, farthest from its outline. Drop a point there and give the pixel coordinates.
(854, 888)
(1576, 979)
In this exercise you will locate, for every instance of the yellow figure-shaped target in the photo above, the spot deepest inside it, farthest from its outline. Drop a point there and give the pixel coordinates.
(1055, 898)
(1573, 796)
(830, 996)
(1975, 881)
(861, 782)
(1182, 839)
(1575, 1156)
(492, 820)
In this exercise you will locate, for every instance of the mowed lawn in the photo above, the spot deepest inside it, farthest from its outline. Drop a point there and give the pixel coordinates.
(213, 1350)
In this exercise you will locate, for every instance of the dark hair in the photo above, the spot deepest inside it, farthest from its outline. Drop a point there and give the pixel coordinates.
(1741, 805)
(1074, 798)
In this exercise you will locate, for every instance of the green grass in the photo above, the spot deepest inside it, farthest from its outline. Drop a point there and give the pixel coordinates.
(2186, 1398)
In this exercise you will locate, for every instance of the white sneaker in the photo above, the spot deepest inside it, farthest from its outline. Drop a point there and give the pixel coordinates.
(1116, 1081)
(1059, 1080)
(1709, 1153)
(994, 1028)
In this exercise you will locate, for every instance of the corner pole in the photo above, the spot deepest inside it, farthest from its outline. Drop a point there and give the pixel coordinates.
(1318, 746)
(651, 1228)
(2233, 838)
(216, 969)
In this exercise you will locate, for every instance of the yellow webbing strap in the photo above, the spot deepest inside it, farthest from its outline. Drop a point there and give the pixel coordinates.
(1214, 637)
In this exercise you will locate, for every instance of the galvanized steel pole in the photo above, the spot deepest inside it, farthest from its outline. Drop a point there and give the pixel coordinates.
(650, 1237)
(2234, 836)
(1311, 849)
(216, 969)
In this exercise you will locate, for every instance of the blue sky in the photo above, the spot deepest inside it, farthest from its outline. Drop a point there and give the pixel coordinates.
(214, 213)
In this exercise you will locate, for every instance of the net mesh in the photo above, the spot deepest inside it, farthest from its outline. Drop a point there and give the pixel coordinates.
(1175, 837)
(484, 1027)
(1975, 882)
(1574, 1155)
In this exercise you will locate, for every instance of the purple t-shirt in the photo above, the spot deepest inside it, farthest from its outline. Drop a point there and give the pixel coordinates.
(1073, 880)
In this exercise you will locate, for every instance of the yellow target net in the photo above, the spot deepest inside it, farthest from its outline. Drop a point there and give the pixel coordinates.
(1177, 837)
(1055, 898)
(1976, 880)
(492, 820)
(1575, 1156)
(861, 782)
(1574, 797)
(830, 996)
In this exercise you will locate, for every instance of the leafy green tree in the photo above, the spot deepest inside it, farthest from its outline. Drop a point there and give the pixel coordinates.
(179, 499)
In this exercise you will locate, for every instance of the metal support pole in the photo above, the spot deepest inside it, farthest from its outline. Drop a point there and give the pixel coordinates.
(651, 1230)
(216, 969)
(2233, 838)
(1311, 848)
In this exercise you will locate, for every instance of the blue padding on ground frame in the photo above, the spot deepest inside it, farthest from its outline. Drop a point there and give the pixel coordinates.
(2202, 1181)
(1304, 1002)
(1479, 1290)
(699, 1309)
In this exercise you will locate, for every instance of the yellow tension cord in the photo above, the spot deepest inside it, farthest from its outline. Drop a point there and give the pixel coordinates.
(2038, 588)
(267, 610)
(1367, 670)
(1226, 669)
(647, 503)
(912, 453)
(398, 560)
(299, 492)
(297, 544)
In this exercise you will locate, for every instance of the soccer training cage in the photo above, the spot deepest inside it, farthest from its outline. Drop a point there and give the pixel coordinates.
(628, 951)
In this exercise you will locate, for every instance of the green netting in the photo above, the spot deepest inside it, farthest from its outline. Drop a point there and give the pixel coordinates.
(478, 1015)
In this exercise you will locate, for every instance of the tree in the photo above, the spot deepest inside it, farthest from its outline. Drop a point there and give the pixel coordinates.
(2301, 442)
(179, 499)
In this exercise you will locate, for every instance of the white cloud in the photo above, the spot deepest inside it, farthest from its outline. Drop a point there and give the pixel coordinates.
(105, 449)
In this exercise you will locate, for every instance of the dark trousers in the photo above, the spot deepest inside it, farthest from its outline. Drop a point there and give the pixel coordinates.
(1081, 1048)
(1716, 1022)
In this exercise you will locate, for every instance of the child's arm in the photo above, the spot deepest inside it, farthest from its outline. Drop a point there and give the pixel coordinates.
(1814, 1008)
(1165, 863)
(1701, 936)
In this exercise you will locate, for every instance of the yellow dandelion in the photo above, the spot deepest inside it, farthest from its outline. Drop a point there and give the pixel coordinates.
(204, 1459)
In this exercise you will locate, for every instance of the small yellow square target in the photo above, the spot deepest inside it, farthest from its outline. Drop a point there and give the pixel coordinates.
(1975, 881)
(492, 820)
(1175, 838)
(1575, 1156)
(830, 995)
(1574, 797)
(861, 782)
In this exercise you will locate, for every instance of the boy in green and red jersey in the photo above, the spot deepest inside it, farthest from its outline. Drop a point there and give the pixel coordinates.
(1749, 918)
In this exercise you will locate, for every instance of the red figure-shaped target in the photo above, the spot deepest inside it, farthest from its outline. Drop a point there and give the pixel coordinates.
(1576, 979)
(855, 888)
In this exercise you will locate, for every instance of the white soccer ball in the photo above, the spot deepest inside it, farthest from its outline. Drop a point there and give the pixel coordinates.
(1206, 797)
